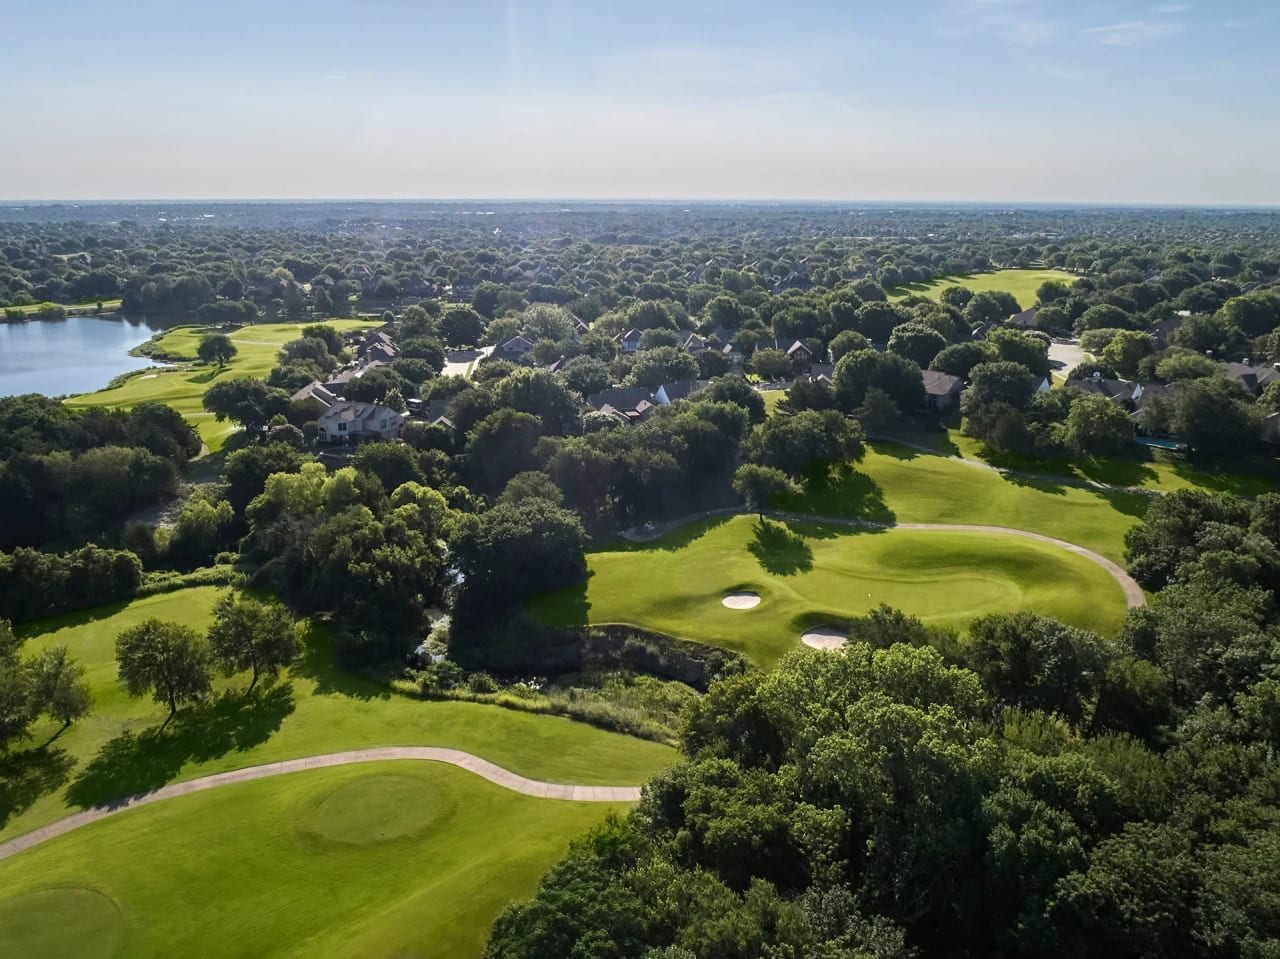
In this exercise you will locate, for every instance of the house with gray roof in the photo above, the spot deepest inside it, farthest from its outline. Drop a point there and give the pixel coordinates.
(349, 422)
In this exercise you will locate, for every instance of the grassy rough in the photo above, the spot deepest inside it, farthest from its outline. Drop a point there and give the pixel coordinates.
(121, 748)
(1021, 283)
(316, 863)
(184, 389)
(809, 573)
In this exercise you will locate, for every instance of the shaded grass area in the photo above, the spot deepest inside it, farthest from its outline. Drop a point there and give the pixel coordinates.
(122, 748)
(383, 859)
(1022, 284)
(1143, 469)
(184, 389)
(893, 483)
(807, 573)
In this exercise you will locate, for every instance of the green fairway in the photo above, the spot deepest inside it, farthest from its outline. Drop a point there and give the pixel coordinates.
(1022, 284)
(87, 307)
(184, 389)
(809, 573)
(383, 859)
(120, 748)
(897, 484)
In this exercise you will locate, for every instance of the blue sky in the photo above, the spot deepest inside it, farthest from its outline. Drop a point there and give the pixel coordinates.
(999, 100)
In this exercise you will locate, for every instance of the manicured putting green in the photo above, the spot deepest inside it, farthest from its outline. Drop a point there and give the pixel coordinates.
(60, 921)
(184, 389)
(411, 859)
(375, 809)
(808, 574)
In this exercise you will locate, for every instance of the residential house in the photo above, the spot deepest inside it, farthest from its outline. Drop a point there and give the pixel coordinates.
(1026, 320)
(822, 373)
(314, 398)
(1161, 332)
(941, 390)
(380, 353)
(348, 422)
(632, 403)
(514, 350)
(1253, 378)
(1117, 391)
(557, 366)
(693, 343)
(629, 342)
(668, 393)
(801, 356)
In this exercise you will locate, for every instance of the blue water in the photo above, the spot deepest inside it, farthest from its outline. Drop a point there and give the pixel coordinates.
(1160, 444)
(77, 355)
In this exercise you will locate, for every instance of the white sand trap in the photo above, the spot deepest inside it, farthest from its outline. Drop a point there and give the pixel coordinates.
(825, 637)
(742, 600)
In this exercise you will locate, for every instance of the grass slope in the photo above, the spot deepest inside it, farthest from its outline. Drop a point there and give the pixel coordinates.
(1021, 283)
(184, 389)
(810, 573)
(120, 748)
(385, 859)
(897, 484)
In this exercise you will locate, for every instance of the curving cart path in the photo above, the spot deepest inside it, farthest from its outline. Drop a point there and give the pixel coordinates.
(1133, 595)
(454, 757)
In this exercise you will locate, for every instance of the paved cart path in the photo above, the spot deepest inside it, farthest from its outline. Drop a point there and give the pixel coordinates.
(454, 757)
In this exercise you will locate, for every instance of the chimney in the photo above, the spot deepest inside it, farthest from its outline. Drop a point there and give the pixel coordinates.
(1247, 361)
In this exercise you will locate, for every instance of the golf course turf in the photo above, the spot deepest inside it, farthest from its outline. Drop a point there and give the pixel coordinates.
(184, 388)
(809, 573)
(121, 748)
(1022, 284)
(382, 859)
(895, 484)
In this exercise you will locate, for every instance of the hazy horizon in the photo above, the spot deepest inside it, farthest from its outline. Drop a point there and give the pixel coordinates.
(1051, 102)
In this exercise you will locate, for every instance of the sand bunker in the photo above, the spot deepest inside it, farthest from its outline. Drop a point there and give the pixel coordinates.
(825, 637)
(742, 600)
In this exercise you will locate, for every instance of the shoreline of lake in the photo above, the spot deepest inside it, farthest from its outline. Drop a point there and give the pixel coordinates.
(72, 356)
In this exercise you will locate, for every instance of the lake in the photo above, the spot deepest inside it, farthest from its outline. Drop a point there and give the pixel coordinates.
(77, 355)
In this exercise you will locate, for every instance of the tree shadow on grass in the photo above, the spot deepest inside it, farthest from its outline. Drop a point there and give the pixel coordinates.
(568, 607)
(135, 763)
(319, 663)
(28, 775)
(842, 492)
(779, 550)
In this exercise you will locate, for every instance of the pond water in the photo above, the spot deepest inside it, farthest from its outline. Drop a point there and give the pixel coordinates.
(77, 355)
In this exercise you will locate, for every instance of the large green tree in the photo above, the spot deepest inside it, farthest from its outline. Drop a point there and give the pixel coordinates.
(168, 660)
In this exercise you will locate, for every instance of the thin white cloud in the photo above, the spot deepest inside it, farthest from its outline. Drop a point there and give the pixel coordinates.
(1169, 9)
(1019, 22)
(1134, 33)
